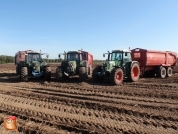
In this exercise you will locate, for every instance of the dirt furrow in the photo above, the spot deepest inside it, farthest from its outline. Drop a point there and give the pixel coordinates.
(30, 127)
(87, 112)
(90, 120)
(56, 90)
(125, 90)
(139, 111)
(123, 101)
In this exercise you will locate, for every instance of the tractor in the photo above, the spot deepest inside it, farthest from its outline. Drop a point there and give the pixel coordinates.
(29, 64)
(76, 63)
(118, 67)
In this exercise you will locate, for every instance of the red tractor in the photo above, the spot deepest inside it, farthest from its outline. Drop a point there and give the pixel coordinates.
(75, 63)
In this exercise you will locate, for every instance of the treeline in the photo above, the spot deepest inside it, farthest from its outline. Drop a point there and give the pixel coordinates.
(6, 59)
(10, 59)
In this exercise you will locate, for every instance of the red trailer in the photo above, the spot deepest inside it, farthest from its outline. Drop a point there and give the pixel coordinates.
(159, 63)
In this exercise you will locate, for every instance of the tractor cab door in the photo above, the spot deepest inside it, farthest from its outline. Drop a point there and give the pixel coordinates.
(126, 61)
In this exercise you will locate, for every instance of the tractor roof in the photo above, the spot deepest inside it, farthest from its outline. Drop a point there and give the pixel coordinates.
(73, 51)
(124, 50)
(26, 51)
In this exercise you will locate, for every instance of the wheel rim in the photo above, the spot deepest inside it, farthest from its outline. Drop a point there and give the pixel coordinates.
(135, 72)
(163, 72)
(169, 71)
(119, 76)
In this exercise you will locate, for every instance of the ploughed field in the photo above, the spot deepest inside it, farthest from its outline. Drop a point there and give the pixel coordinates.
(147, 106)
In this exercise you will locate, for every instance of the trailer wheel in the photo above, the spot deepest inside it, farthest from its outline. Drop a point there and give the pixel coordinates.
(95, 77)
(82, 74)
(24, 74)
(169, 72)
(59, 74)
(116, 76)
(47, 74)
(162, 72)
(134, 73)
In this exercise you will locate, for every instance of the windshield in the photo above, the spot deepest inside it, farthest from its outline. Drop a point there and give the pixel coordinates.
(34, 57)
(115, 56)
(73, 56)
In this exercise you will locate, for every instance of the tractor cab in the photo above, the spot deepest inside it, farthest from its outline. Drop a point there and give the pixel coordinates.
(117, 58)
(73, 56)
(34, 57)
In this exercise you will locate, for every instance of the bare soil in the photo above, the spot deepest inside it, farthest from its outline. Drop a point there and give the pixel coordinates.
(149, 106)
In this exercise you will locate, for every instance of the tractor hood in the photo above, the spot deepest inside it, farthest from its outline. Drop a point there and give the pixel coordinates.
(69, 67)
(36, 66)
(72, 64)
(111, 64)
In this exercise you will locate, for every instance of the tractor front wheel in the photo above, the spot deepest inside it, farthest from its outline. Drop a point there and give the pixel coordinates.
(24, 74)
(59, 74)
(82, 74)
(95, 76)
(134, 74)
(116, 76)
(47, 74)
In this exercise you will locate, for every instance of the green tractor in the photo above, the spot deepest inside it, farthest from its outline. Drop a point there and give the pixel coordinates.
(29, 64)
(118, 67)
(76, 63)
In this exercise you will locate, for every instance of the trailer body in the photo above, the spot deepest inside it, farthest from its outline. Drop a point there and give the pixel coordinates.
(152, 61)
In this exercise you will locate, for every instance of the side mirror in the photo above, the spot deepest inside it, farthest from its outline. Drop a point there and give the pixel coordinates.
(125, 54)
(59, 56)
(47, 56)
(103, 55)
(26, 57)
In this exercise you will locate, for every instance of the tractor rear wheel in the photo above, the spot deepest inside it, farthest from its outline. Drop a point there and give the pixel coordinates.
(95, 77)
(59, 74)
(82, 74)
(47, 74)
(116, 76)
(169, 72)
(24, 74)
(134, 74)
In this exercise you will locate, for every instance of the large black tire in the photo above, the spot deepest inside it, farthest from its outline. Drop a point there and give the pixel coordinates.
(59, 74)
(169, 72)
(90, 70)
(82, 74)
(17, 70)
(95, 77)
(116, 76)
(134, 73)
(24, 74)
(162, 72)
(47, 74)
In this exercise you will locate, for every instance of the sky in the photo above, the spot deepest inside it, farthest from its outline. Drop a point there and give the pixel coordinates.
(96, 26)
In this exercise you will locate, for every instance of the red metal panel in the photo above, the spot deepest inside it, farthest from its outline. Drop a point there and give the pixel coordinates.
(89, 57)
(153, 58)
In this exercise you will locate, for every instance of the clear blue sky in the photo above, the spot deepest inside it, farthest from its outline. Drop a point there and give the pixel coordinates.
(96, 26)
